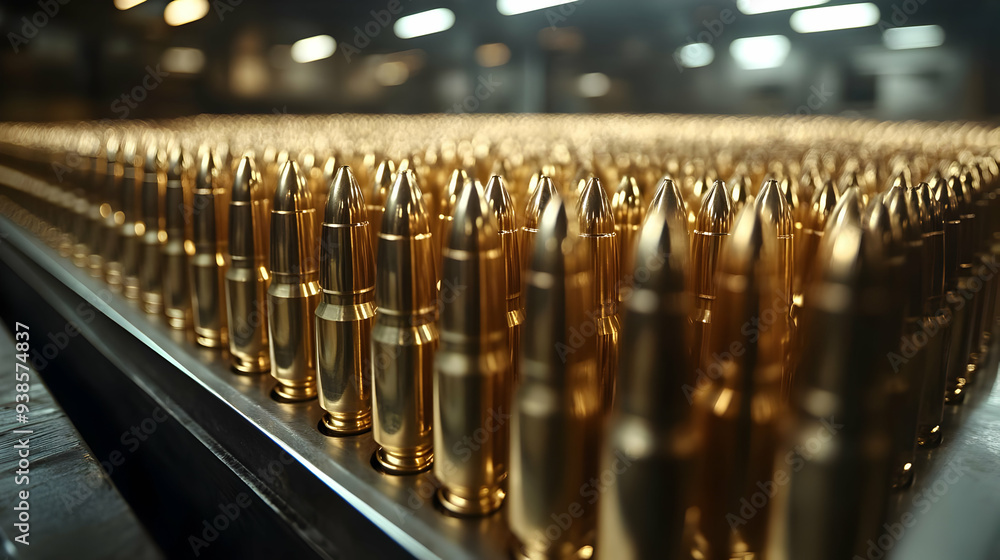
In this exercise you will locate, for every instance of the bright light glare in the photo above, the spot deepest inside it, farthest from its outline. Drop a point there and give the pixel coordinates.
(696, 55)
(514, 7)
(754, 53)
(127, 4)
(832, 18)
(424, 23)
(751, 7)
(313, 48)
(492, 54)
(918, 37)
(180, 12)
(391, 73)
(594, 84)
(183, 60)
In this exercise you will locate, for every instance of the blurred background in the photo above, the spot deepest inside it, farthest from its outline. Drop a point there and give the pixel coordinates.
(889, 59)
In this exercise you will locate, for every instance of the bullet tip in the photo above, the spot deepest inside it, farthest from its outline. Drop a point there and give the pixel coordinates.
(346, 204)
(404, 212)
(596, 217)
(291, 194)
(244, 180)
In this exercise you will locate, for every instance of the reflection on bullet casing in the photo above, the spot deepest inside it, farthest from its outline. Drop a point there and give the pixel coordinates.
(294, 291)
(346, 309)
(556, 416)
(208, 261)
(247, 277)
(405, 334)
(472, 368)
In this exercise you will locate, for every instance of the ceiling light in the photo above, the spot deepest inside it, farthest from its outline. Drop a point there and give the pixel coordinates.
(514, 7)
(180, 12)
(695, 55)
(848, 16)
(424, 23)
(127, 4)
(594, 84)
(754, 53)
(918, 37)
(751, 7)
(313, 48)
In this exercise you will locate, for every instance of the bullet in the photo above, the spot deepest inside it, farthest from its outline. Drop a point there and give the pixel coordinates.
(739, 190)
(208, 261)
(777, 215)
(556, 418)
(503, 212)
(151, 241)
(947, 202)
(375, 201)
(642, 514)
(979, 344)
(837, 495)
(95, 198)
(538, 199)
(937, 320)
(959, 375)
(472, 367)
(737, 403)
(294, 291)
(906, 232)
(668, 200)
(446, 206)
(82, 175)
(112, 217)
(176, 201)
(346, 310)
(597, 231)
(708, 240)
(247, 277)
(629, 213)
(405, 335)
(132, 228)
(814, 218)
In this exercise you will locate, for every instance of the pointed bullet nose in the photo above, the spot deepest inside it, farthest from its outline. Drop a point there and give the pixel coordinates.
(743, 251)
(382, 182)
(668, 201)
(553, 230)
(151, 157)
(716, 214)
(404, 212)
(627, 202)
(544, 192)
(175, 163)
(346, 204)
(111, 148)
(473, 228)
(596, 217)
(901, 181)
(946, 200)
(291, 194)
(206, 170)
(899, 212)
(244, 180)
(662, 250)
(773, 207)
(499, 200)
(452, 191)
(877, 221)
